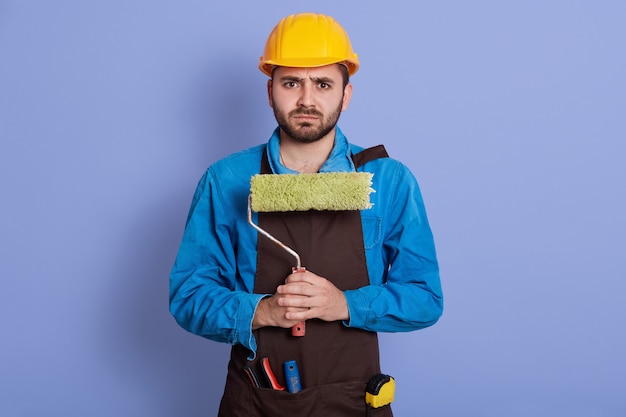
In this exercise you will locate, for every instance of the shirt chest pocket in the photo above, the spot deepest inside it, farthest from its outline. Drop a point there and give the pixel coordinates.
(372, 231)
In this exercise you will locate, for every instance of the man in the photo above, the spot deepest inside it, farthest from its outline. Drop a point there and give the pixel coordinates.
(366, 271)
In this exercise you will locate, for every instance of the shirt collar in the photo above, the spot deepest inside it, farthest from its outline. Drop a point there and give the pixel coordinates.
(339, 160)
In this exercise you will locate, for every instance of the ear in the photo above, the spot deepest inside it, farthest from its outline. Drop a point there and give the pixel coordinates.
(347, 96)
(269, 93)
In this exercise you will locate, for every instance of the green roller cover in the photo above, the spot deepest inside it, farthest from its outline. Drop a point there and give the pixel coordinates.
(333, 191)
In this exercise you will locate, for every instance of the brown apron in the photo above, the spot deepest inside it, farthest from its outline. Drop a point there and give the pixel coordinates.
(335, 362)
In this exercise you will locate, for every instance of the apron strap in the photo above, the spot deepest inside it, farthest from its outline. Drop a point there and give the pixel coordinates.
(369, 154)
(265, 163)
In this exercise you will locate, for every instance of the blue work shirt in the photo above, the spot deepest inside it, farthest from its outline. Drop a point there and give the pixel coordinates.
(212, 281)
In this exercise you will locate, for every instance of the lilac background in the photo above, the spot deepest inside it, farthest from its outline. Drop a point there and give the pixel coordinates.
(511, 114)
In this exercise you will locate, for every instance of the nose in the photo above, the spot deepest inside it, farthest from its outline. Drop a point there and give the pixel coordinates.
(306, 95)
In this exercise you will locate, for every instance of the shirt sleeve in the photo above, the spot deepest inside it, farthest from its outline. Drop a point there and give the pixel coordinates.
(203, 298)
(408, 296)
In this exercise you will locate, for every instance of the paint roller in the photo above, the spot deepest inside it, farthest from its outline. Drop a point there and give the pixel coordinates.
(329, 191)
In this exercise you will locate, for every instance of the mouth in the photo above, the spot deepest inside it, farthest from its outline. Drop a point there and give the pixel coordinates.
(306, 114)
(305, 119)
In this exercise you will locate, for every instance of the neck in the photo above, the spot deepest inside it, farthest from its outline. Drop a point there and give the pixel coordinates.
(305, 157)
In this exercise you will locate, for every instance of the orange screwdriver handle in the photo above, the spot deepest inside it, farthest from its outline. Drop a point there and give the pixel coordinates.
(299, 328)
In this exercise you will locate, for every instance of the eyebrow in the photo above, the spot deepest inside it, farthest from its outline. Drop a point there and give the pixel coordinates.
(318, 80)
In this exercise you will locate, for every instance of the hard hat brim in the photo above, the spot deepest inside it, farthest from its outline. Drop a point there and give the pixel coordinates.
(267, 66)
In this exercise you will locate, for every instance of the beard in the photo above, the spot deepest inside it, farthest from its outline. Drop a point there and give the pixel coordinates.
(307, 132)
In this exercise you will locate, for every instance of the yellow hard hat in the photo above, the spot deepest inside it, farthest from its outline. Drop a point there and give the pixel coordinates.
(308, 40)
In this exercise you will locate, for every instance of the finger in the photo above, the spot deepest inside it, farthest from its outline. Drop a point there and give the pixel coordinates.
(300, 314)
(305, 276)
(296, 289)
(294, 301)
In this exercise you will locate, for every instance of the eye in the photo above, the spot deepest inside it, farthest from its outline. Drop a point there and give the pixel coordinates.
(324, 86)
(290, 84)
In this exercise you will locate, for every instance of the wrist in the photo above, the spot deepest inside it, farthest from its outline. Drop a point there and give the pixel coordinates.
(261, 314)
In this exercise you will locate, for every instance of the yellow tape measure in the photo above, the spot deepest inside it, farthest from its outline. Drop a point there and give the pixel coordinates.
(380, 391)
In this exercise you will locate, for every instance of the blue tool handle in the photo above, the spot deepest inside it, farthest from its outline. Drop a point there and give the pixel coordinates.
(292, 377)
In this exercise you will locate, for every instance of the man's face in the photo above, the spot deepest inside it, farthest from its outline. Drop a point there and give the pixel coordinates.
(307, 102)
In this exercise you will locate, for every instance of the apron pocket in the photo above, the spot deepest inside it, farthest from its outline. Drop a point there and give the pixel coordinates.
(342, 399)
(271, 403)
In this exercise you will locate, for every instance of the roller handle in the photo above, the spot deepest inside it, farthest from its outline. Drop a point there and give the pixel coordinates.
(299, 328)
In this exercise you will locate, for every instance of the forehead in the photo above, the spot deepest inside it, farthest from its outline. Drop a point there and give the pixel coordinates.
(332, 72)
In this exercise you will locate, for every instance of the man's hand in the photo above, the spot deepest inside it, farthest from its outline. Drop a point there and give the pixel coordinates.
(307, 296)
(304, 296)
(270, 313)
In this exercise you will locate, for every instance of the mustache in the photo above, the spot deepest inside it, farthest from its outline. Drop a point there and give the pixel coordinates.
(308, 112)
